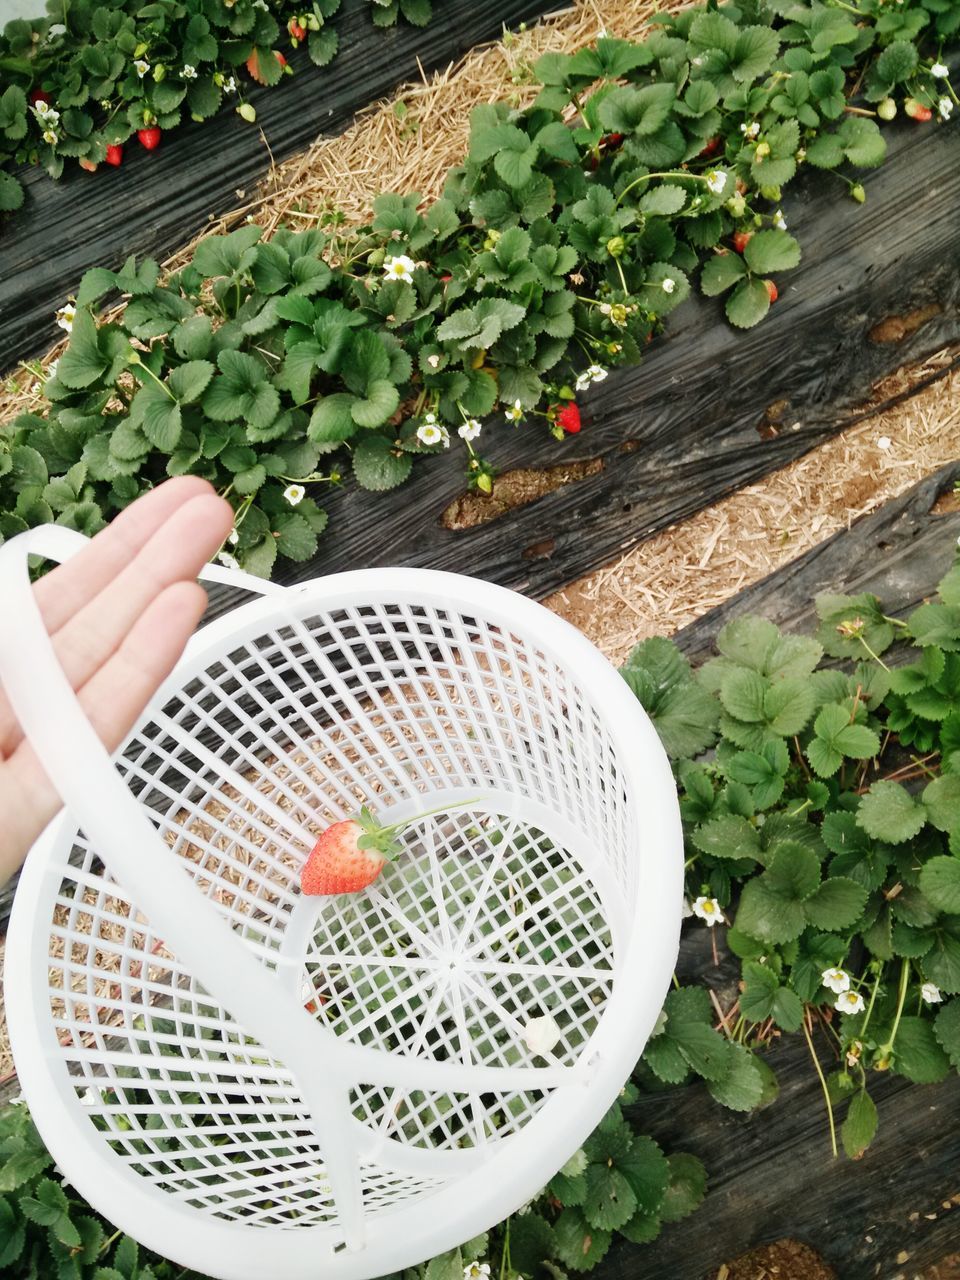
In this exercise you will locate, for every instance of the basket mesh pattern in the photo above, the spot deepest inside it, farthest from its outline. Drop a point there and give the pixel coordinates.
(483, 922)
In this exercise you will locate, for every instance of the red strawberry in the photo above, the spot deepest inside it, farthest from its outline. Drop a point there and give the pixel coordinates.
(772, 293)
(569, 417)
(114, 155)
(611, 140)
(279, 57)
(337, 864)
(916, 110)
(741, 239)
(713, 146)
(295, 29)
(350, 855)
(149, 138)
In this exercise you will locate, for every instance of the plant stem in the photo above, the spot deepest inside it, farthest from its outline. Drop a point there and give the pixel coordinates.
(873, 1001)
(406, 822)
(823, 1086)
(887, 1049)
(159, 381)
(875, 656)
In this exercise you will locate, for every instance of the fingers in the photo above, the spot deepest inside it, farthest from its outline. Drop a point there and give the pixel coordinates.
(112, 699)
(70, 586)
(173, 550)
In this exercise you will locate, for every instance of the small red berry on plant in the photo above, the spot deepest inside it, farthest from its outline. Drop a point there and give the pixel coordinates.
(295, 29)
(114, 155)
(568, 416)
(149, 138)
(772, 293)
(917, 111)
(713, 146)
(741, 239)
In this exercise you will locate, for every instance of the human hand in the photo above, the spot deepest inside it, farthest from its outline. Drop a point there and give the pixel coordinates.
(119, 614)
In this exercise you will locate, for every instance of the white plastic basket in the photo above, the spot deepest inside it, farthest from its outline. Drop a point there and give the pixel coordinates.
(257, 1083)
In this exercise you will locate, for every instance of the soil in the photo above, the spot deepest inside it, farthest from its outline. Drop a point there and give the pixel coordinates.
(784, 1260)
(515, 489)
(792, 1260)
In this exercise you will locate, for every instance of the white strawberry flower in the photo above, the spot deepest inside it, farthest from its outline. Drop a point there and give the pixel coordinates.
(750, 130)
(294, 493)
(189, 72)
(540, 1035)
(836, 980)
(716, 181)
(850, 1002)
(779, 221)
(399, 268)
(433, 361)
(430, 419)
(939, 71)
(477, 1271)
(930, 993)
(49, 136)
(429, 433)
(66, 315)
(233, 537)
(515, 412)
(469, 430)
(708, 910)
(141, 67)
(229, 85)
(91, 1097)
(945, 108)
(668, 285)
(228, 561)
(46, 114)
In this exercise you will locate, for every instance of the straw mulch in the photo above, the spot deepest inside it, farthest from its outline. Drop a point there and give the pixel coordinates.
(689, 568)
(409, 144)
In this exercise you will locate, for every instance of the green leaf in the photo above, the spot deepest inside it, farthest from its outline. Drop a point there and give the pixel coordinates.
(947, 1030)
(763, 997)
(379, 405)
(860, 1125)
(863, 143)
(748, 304)
(742, 693)
(917, 1054)
(940, 883)
(445, 1266)
(83, 362)
(836, 904)
(578, 1245)
(686, 1189)
(11, 193)
(728, 836)
(296, 540)
(189, 381)
(768, 251)
(705, 1050)
(610, 1200)
(21, 1167)
(936, 624)
(683, 714)
(941, 799)
(721, 272)
(741, 1087)
(378, 466)
(754, 52)
(713, 31)
(897, 62)
(516, 167)
(332, 419)
(158, 415)
(647, 1172)
(192, 338)
(941, 964)
(888, 812)
(854, 615)
(768, 915)
(260, 558)
(50, 1208)
(663, 200)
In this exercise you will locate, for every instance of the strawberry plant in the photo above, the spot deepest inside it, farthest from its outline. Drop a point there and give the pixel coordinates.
(820, 798)
(620, 1181)
(558, 249)
(76, 85)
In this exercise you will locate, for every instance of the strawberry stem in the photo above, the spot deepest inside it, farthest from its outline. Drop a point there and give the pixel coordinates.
(415, 817)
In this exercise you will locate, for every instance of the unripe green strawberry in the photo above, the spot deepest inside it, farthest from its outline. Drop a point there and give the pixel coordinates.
(887, 109)
(248, 112)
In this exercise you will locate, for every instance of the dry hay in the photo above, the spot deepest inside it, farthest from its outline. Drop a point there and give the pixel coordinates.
(680, 573)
